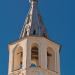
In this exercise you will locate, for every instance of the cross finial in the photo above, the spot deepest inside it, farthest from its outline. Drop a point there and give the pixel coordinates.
(33, 1)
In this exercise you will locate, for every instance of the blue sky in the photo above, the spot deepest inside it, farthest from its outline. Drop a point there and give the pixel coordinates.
(59, 19)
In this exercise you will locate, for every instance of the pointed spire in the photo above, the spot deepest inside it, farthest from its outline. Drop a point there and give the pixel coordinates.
(33, 25)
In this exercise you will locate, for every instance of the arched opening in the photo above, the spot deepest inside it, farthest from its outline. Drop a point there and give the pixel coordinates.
(50, 59)
(34, 56)
(18, 58)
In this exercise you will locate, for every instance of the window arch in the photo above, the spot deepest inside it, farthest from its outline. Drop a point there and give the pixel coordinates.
(18, 58)
(50, 59)
(34, 55)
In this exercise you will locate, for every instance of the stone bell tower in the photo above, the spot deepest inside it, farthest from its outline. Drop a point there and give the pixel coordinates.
(34, 53)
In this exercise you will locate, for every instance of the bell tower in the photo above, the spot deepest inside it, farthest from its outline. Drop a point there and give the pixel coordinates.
(34, 53)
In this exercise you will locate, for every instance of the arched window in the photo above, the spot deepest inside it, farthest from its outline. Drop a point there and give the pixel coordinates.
(50, 59)
(34, 56)
(18, 57)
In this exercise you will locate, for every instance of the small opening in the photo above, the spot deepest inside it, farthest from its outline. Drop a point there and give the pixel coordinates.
(34, 32)
(34, 56)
